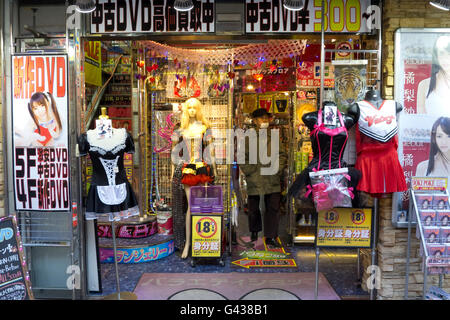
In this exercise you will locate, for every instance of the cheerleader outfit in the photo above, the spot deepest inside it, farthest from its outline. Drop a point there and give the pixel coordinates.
(195, 169)
(376, 149)
(328, 146)
(110, 194)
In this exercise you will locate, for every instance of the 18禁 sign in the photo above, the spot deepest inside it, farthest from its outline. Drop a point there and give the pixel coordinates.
(344, 227)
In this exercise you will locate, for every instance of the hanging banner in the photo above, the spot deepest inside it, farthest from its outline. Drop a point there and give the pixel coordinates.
(262, 16)
(421, 87)
(125, 16)
(40, 132)
(344, 228)
(93, 63)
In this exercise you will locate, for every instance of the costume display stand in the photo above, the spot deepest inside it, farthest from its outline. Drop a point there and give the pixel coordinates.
(373, 254)
(376, 147)
(124, 295)
(207, 224)
(110, 194)
(431, 212)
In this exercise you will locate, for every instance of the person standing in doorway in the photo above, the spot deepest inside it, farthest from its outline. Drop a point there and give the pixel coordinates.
(266, 185)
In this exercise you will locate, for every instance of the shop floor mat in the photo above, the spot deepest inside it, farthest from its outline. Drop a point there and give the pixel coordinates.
(233, 286)
(261, 255)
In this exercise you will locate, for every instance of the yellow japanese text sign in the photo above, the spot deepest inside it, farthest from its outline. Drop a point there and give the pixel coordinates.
(206, 235)
(344, 227)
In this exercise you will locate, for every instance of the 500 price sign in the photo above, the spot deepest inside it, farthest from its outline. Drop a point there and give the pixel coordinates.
(340, 16)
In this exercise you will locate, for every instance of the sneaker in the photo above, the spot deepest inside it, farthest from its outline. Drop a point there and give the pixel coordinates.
(272, 242)
(254, 236)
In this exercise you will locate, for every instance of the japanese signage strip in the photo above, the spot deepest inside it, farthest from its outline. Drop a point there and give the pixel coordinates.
(344, 227)
(259, 263)
(138, 254)
(125, 16)
(428, 184)
(349, 16)
(40, 132)
(14, 279)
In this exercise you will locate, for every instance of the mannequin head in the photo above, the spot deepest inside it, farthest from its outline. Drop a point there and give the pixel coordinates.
(192, 112)
(372, 95)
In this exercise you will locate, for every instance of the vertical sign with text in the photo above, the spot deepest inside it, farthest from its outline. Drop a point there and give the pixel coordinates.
(424, 124)
(40, 132)
(14, 278)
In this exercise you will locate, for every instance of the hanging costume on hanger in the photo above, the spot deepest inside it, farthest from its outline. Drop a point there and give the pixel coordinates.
(328, 146)
(110, 194)
(376, 148)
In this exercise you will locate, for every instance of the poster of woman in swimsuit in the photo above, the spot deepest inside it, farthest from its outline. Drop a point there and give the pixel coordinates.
(422, 86)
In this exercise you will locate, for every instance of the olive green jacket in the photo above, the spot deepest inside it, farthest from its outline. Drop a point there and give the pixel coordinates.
(256, 182)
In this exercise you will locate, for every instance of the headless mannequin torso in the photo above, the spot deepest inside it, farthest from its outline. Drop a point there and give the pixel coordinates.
(376, 146)
(350, 118)
(374, 97)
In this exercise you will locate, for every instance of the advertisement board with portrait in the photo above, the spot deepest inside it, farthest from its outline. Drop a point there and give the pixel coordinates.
(40, 132)
(422, 86)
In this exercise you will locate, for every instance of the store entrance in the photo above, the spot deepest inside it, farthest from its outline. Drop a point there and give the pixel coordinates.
(142, 85)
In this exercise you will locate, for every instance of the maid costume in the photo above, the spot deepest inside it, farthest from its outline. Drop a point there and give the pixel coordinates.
(110, 194)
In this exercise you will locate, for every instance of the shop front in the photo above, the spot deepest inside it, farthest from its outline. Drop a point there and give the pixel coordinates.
(160, 108)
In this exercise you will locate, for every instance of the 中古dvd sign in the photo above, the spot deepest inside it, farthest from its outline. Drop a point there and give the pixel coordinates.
(127, 16)
(40, 132)
(348, 16)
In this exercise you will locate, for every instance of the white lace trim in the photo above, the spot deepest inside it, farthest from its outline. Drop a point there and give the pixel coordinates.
(103, 152)
(110, 167)
(114, 144)
(113, 216)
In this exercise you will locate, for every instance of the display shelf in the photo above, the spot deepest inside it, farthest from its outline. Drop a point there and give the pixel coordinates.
(429, 205)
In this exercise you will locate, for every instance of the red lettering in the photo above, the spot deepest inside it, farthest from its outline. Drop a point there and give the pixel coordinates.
(40, 74)
(60, 77)
(50, 73)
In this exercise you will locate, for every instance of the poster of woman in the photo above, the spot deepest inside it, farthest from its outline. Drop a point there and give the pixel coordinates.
(422, 86)
(40, 132)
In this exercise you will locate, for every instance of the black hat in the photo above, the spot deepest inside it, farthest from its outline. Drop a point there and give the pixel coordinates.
(260, 113)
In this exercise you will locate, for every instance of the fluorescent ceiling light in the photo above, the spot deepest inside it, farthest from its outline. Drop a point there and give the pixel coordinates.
(183, 5)
(441, 4)
(293, 5)
(85, 6)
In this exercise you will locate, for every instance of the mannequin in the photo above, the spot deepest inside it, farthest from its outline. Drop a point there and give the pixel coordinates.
(376, 146)
(374, 97)
(110, 194)
(190, 142)
(326, 138)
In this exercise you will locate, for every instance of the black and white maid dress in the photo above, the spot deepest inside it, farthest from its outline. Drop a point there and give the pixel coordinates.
(110, 194)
